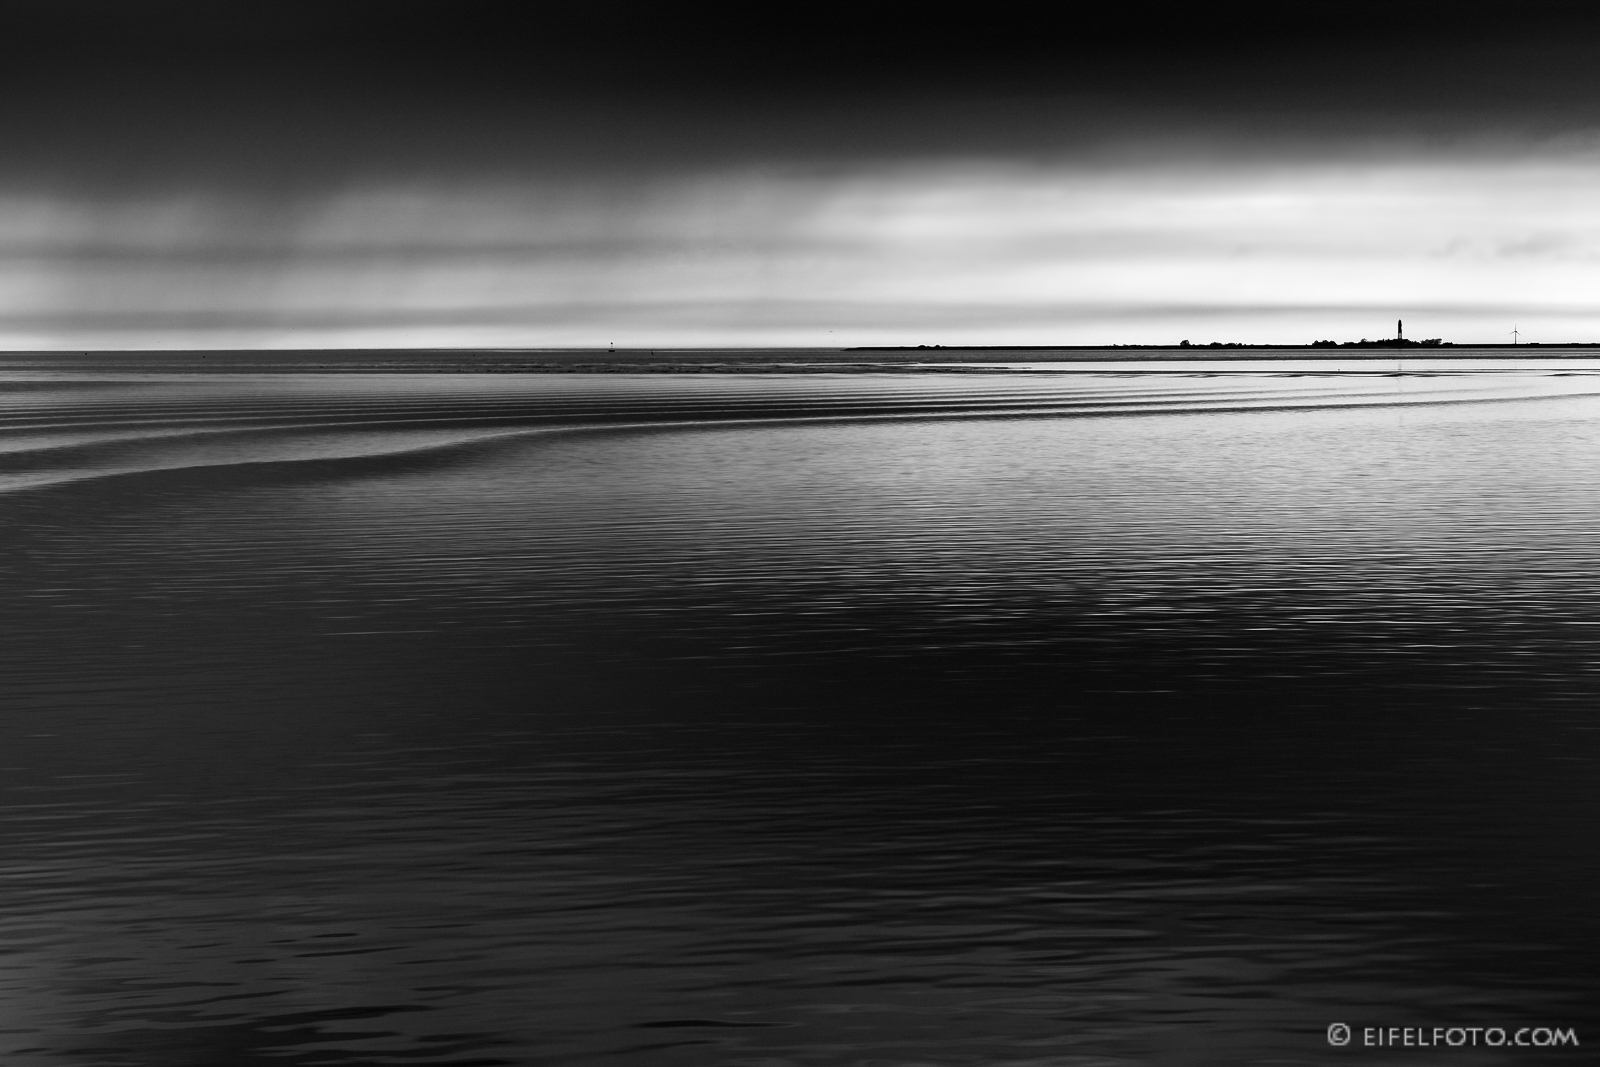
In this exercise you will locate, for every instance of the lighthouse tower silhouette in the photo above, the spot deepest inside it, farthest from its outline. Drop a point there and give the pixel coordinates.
(1399, 330)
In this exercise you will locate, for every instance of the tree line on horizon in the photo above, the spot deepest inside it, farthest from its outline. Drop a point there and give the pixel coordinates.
(1391, 342)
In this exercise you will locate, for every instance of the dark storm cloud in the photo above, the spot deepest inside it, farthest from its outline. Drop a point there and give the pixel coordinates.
(287, 94)
(420, 173)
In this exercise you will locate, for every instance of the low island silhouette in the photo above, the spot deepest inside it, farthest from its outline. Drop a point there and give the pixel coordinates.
(1390, 343)
(1399, 340)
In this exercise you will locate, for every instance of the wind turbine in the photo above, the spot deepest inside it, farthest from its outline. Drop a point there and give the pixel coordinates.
(1514, 334)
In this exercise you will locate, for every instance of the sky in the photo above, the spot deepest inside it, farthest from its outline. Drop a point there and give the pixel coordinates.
(473, 174)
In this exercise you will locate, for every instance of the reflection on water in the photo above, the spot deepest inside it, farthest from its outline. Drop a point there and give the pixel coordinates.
(978, 718)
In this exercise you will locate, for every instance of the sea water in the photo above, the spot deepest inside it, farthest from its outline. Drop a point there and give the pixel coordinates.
(1036, 714)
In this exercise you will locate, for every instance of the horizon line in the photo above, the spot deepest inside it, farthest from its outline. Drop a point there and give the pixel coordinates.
(1383, 344)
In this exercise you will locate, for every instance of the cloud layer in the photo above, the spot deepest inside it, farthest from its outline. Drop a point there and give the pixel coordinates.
(417, 174)
(936, 253)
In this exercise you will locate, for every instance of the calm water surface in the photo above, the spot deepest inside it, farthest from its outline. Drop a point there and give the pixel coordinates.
(1030, 716)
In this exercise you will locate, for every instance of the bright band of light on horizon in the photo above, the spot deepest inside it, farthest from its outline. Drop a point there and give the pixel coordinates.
(934, 253)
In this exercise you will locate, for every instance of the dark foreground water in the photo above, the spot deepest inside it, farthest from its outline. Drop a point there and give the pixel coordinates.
(980, 718)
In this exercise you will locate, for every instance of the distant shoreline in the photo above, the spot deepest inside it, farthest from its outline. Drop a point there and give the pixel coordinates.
(1354, 349)
(1232, 346)
(899, 359)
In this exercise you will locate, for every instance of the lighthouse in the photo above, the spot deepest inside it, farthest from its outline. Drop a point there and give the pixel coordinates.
(1399, 329)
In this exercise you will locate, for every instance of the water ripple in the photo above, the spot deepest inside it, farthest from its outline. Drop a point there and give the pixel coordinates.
(957, 718)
